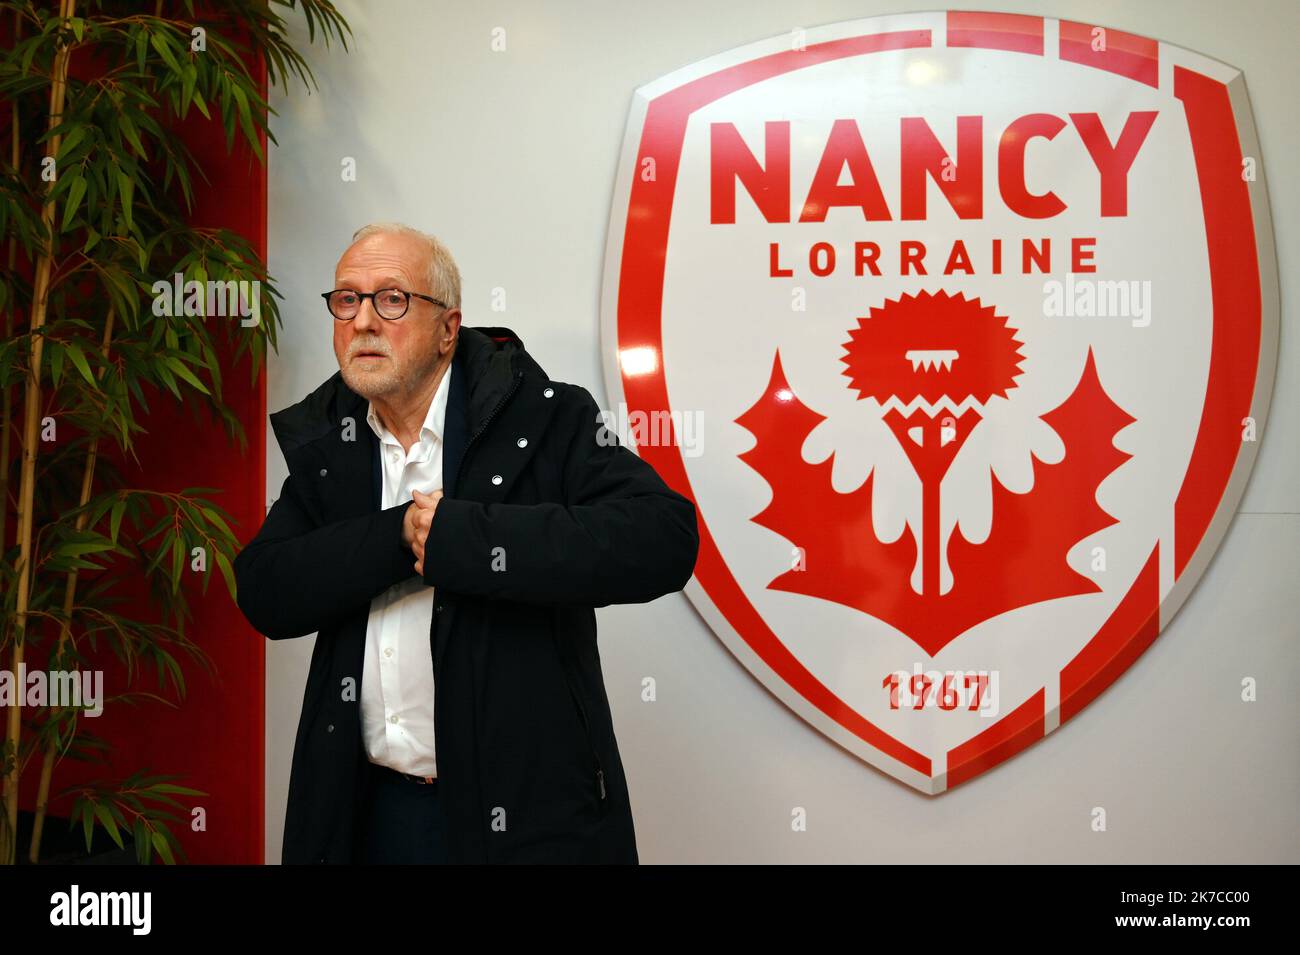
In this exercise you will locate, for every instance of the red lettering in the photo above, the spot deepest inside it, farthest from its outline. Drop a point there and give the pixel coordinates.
(731, 159)
(922, 155)
(774, 264)
(866, 253)
(1081, 252)
(1041, 257)
(958, 259)
(1011, 166)
(1113, 161)
(821, 259)
(844, 146)
(911, 255)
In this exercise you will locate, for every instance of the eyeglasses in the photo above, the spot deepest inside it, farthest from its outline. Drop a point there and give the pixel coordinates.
(389, 303)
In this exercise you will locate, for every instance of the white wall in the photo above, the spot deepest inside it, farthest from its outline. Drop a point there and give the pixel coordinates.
(509, 158)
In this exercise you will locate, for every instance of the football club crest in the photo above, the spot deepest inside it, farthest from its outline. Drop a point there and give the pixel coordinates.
(960, 330)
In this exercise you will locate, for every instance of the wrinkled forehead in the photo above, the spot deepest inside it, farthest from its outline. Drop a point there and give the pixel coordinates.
(383, 259)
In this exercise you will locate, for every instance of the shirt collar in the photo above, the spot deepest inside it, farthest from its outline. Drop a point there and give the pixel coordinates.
(434, 419)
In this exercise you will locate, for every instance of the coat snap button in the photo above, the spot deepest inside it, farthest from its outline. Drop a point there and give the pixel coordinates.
(522, 442)
(324, 471)
(549, 392)
(496, 479)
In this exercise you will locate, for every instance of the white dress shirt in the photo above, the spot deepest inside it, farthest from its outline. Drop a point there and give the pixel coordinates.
(397, 679)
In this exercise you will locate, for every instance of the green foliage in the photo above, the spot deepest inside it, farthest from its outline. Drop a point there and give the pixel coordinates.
(122, 198)
(135, 804)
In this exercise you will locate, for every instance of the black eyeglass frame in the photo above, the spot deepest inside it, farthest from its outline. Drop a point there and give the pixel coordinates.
(362, 296)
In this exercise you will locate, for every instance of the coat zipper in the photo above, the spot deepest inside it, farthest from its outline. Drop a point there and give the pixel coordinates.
(582, 712)
(460, 468)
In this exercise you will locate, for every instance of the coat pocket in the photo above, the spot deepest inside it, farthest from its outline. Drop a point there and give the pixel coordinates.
(571, 680)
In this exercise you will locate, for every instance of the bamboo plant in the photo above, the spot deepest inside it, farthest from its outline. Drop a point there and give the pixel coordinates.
(95, 201)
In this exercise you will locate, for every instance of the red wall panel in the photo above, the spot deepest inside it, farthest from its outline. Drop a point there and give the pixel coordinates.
(215, 739)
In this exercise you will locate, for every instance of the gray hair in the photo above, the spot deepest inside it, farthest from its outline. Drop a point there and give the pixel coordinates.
(443, 276)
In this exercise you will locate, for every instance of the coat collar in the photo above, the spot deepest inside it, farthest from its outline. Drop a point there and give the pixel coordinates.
(487, 360)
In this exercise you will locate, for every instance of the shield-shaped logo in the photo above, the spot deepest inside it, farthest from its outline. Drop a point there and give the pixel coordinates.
(963, 328)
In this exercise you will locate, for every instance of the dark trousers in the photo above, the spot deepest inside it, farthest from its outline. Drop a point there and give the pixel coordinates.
(402, 821)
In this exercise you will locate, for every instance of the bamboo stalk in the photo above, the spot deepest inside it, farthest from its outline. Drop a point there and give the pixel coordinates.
(6, 413)
(31, 421)
(65, 628)
(7, 403)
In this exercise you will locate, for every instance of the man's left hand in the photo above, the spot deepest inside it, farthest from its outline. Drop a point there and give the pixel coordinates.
(427, 503)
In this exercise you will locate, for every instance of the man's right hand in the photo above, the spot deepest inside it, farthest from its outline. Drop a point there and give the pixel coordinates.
(416, 521)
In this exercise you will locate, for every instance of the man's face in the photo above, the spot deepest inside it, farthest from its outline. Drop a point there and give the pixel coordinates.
(390, 359)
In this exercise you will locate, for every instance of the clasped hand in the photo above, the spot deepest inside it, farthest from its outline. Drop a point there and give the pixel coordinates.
(415, 524)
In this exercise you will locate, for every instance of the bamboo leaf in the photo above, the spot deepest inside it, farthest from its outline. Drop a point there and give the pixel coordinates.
(214, 516)
(132, 136)
(32, 46)
(54, 352)
(201, 105)
(178, 790)
(163, 45)
(75, 193)
(115, 519)
(126, 188)
(164, 850)
(109, 823)
(75, 134)
(184, 372)
(168, 380)
(187, 87)
(78, 359)
(80, 548)
(246, 120)
(178, 561)
(87, 825)
(223, 562)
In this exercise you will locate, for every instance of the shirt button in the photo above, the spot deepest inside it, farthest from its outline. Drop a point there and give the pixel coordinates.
(496, 479)
(522, 442)
(388, 652)
(394, 454)
(393, 718)
(324, 471)
(330, 728)
(549, 392)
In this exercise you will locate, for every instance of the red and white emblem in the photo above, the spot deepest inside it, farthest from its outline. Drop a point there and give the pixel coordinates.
(960, 331)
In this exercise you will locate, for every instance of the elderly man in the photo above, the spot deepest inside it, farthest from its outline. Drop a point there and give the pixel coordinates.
(451, 518)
